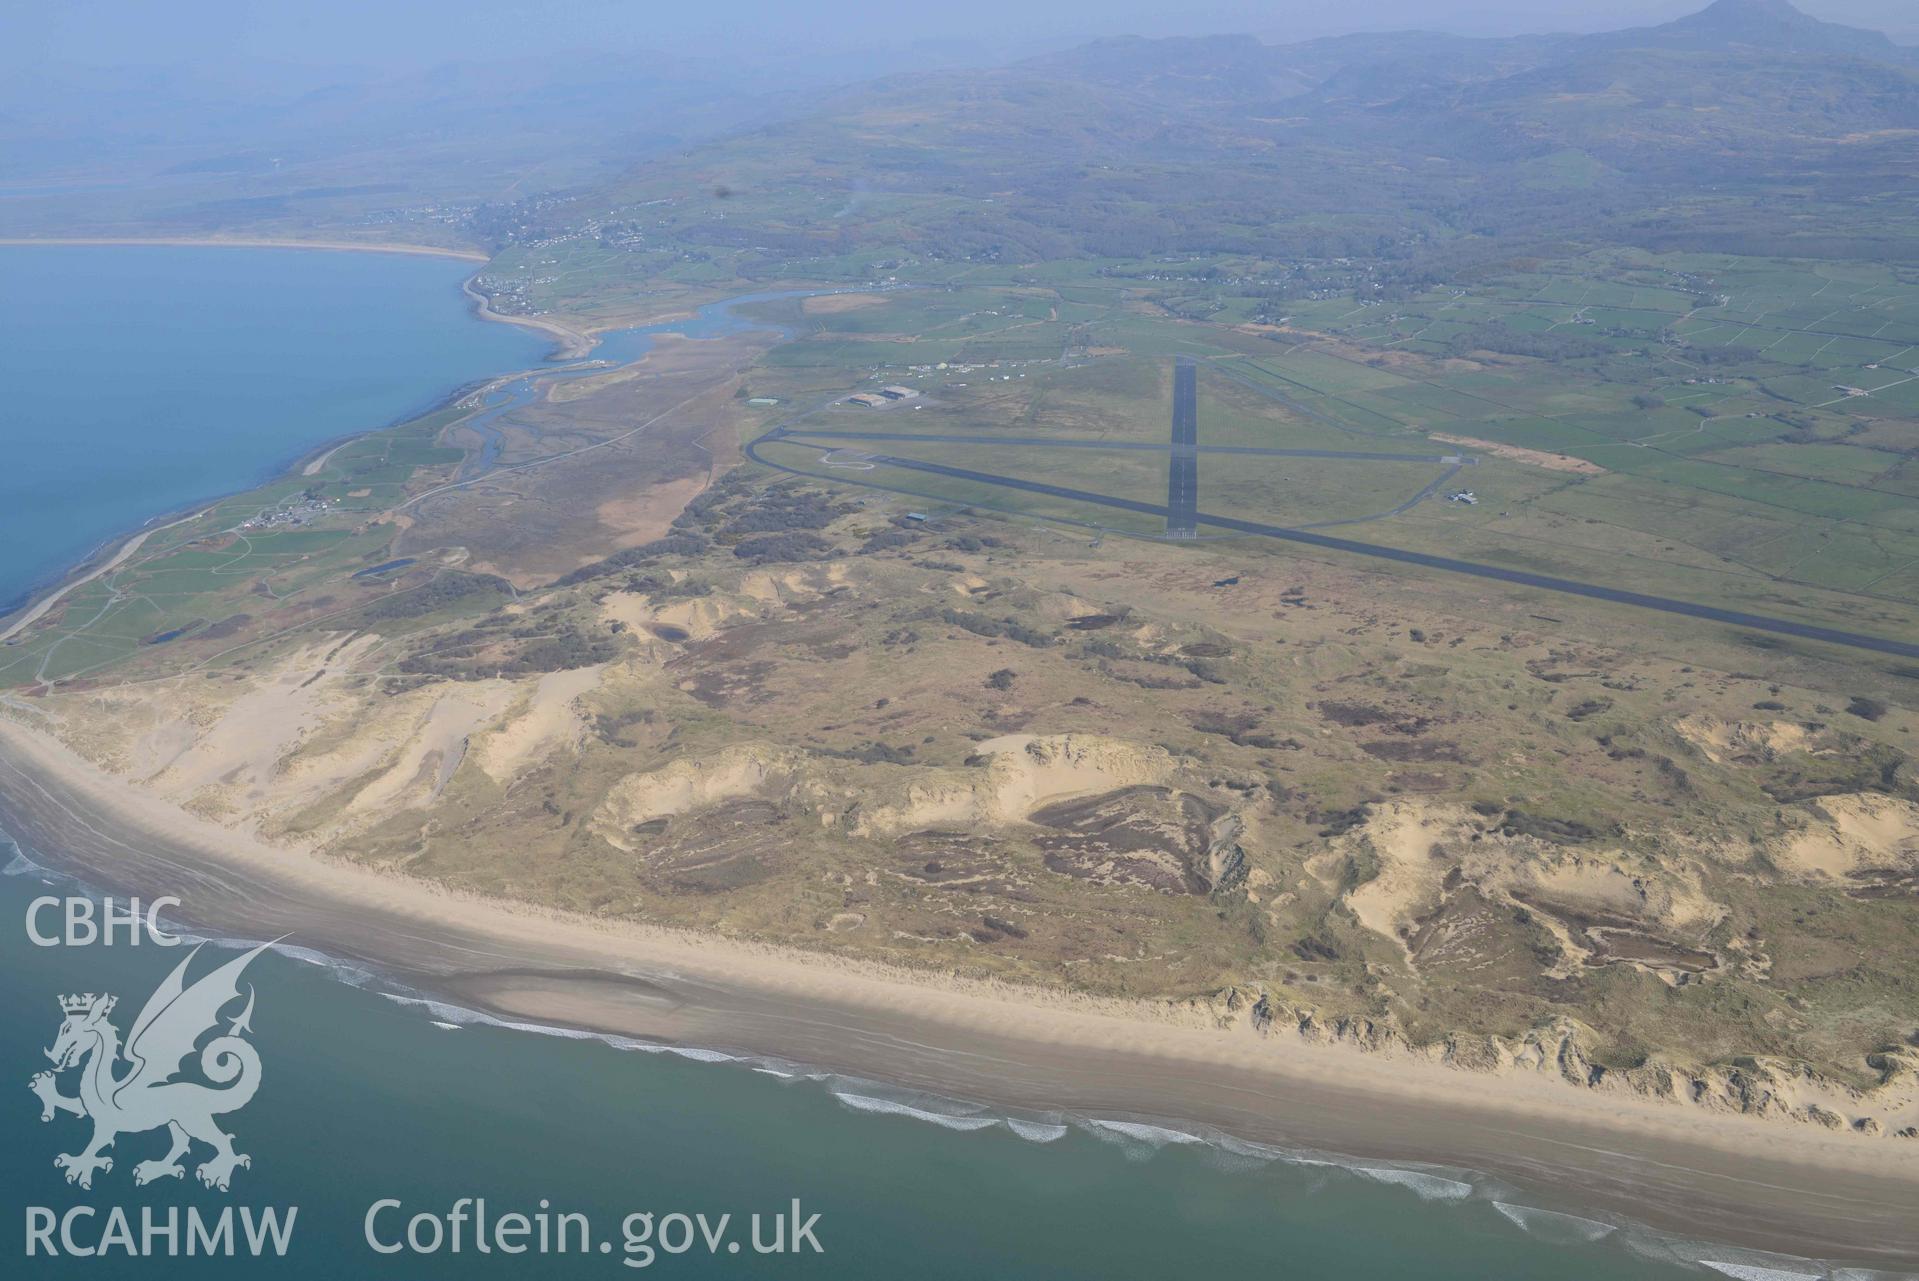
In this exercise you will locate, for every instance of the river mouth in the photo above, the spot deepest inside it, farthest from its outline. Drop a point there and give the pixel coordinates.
(610, 350)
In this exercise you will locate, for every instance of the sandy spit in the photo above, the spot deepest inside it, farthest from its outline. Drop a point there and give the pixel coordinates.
(207, 242)
(568, 343)
(1772, 1185)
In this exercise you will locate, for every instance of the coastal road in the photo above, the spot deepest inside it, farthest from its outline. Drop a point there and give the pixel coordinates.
(1425, 560)
(1182, 472)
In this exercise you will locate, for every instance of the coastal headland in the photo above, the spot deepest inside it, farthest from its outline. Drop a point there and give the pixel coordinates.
(569, 343)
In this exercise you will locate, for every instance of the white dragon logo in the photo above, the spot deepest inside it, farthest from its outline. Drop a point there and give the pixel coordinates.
(147, 1097)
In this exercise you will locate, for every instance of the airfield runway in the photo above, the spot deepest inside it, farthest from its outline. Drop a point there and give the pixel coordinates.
(1182, 474)
(1138, 446)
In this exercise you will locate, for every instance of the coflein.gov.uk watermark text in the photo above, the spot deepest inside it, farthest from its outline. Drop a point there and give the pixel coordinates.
(468, 1226)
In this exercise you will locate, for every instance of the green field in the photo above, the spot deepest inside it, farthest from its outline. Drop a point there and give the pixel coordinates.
(1690, 402)
(207, 587)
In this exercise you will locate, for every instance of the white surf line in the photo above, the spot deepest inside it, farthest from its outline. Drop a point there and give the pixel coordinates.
(127, 549)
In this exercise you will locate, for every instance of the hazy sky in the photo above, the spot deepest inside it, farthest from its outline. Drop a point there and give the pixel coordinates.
(402, 34)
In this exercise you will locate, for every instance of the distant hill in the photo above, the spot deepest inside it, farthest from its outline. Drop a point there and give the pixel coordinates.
(1740, 87)
(1389, 64)
(1772, 26)
(1407, 143)
(1403, 143)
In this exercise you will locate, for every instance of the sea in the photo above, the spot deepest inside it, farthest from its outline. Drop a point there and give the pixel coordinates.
(135, 380)
(386, 1125)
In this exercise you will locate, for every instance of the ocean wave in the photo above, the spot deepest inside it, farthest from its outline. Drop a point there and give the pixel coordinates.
(948, 1114)
(1141, 1139)
(20, 864)
(1243, 1156)
(1264, 1153)
(1737, 1262)
(889, 1107)
(1140, 1132)
(1554, 1226)
(1138, 1140)
(446, 1014)
(1037, 1131)
(1752, 1272)
(460, 1016)
(346, 971)
(1428, 1187)
(692, 1052)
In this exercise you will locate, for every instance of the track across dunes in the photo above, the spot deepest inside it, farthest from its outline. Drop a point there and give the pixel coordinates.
(1665, 604)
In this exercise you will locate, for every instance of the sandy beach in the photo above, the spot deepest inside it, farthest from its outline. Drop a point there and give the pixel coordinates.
(1787, 1187)
(569, 343)
(205, 242)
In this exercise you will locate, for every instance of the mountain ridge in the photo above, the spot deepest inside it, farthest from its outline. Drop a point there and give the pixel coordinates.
(1727, 26)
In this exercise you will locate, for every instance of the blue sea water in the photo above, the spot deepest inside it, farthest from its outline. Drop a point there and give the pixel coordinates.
(139, 379)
